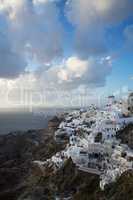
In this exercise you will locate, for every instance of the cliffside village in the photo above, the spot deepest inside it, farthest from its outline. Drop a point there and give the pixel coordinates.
(92, 142)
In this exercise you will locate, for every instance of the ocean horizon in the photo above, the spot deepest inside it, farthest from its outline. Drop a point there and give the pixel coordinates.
(23, 119)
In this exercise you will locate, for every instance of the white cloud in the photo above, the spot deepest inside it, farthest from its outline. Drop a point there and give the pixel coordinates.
(63, 84)
(91, 18)
(86, 12)
(74, 72)
(74, 69)
(31, 29)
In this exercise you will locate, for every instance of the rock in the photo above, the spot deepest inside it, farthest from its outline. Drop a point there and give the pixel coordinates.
(54, 123)
(98, 137)
(126, 135)
(17, 151)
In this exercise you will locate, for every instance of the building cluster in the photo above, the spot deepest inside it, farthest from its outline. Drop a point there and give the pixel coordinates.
(92, 143)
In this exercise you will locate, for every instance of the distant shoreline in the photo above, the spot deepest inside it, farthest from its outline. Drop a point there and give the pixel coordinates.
(19, 121)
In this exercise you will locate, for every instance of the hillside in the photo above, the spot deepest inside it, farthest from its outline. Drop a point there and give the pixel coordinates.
(20, 179)
(126, 135)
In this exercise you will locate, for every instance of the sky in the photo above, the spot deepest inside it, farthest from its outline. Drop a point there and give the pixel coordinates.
(64, 52)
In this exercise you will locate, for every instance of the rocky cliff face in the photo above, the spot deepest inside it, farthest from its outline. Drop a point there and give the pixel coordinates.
(17, 151)
(70, 183)
(126, 135)
(67, 183)
(54, 123)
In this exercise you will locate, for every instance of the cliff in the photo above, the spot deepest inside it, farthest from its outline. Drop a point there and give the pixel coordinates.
(126, 135)
(20, 179)
(17, 151)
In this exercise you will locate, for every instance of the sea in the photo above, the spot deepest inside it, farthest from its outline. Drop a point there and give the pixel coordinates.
(23, 119)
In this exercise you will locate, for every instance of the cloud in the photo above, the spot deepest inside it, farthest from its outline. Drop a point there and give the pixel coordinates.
(28, 29)
(128, 33)
(131, 77)
(64, 84)
(74, 72)
(11, 62)
(17, 91)
(91, 18)
(70, 74)
(82, 13)
(32, 30)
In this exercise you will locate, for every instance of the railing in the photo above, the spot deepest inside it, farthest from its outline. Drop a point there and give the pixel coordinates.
(89, 170)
